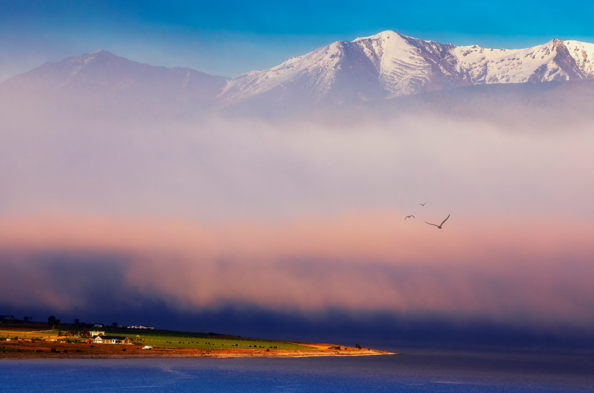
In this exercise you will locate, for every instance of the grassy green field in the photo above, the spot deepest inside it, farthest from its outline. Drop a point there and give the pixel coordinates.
(167, 338)
(164, 338)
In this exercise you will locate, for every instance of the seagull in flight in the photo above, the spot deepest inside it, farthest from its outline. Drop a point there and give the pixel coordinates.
(409, 217)
(438, 226)
(423, 204)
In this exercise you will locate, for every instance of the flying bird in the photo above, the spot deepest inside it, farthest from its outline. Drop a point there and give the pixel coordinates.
(409, 217)
(438, 226)
(423, 204)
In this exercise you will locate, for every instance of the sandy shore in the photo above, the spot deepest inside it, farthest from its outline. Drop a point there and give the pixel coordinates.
(43, 350)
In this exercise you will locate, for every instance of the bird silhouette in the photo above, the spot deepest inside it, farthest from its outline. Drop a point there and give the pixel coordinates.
(409, 217)
(423, 204)
(438, 226)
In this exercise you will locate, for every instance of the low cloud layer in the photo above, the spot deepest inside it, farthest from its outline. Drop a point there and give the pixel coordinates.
(220, 170)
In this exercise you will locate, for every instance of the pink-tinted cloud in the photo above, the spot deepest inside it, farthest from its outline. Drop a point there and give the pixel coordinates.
(513, 270)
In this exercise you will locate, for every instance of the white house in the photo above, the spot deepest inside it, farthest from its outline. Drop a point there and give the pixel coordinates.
(141, 327)
(111, 340)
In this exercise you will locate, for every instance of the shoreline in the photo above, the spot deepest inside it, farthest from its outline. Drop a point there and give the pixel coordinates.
(28, 350)
(26, 356)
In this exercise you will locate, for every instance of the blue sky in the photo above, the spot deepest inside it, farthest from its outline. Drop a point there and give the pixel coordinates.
(232, 37)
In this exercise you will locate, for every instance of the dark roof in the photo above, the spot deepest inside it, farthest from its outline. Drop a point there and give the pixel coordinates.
(113, 337)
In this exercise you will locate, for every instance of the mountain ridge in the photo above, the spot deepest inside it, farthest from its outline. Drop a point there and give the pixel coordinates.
(375, 68)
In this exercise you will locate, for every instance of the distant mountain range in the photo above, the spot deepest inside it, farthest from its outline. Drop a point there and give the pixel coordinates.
(384, 66)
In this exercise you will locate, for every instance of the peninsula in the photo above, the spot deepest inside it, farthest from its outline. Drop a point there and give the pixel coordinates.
(37, 340)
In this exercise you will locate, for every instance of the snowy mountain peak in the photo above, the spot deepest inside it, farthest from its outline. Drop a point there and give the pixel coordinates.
(387, 64)
(543, 63)
(387, 34)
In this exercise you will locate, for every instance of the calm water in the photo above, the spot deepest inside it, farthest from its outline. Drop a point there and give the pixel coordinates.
(415, 371)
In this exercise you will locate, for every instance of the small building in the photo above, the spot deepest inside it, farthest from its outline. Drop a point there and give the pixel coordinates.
(111, 340)
(98, 325)
(6, 318)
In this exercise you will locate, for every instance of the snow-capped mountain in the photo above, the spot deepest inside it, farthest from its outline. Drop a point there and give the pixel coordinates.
(382, 66)
(389, 65)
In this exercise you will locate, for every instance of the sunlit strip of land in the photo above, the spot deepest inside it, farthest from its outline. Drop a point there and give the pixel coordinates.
(37, 342)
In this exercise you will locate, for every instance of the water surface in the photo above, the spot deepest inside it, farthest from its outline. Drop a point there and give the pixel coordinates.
(414, 371)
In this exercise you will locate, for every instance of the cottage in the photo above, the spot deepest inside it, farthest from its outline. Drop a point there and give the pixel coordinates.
(111, 340)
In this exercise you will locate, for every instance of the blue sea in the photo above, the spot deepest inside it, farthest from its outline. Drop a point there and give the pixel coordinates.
(416, 370)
